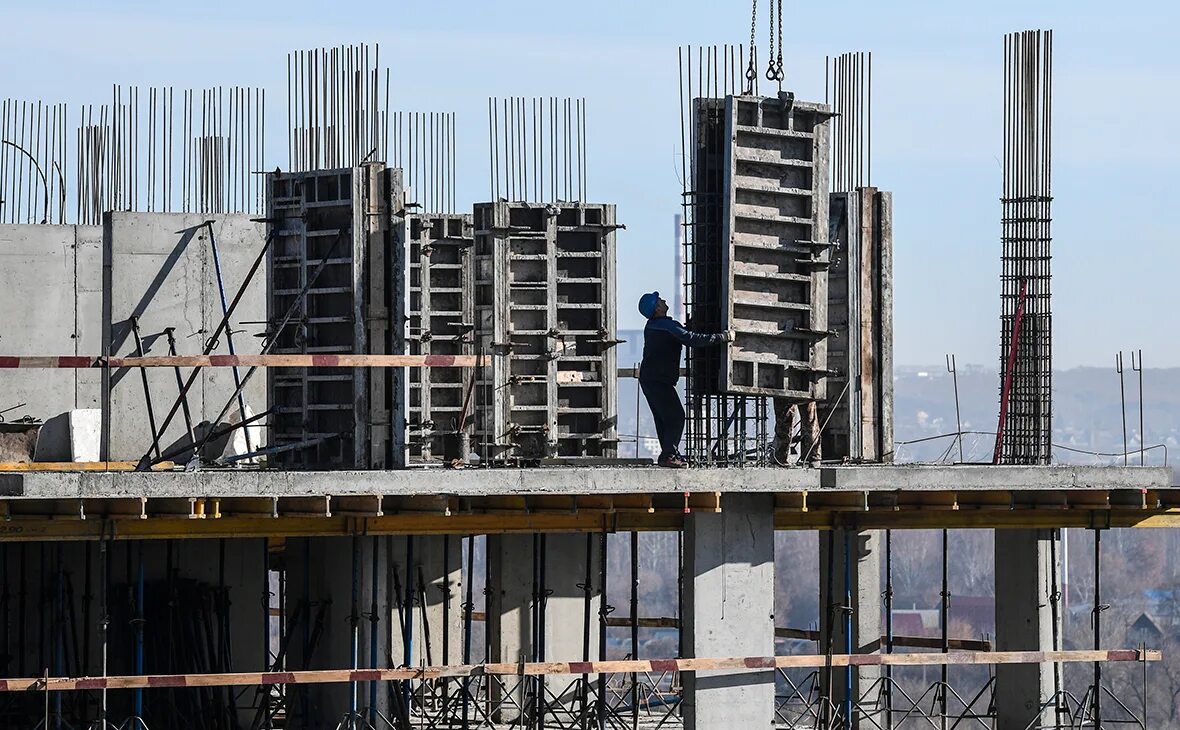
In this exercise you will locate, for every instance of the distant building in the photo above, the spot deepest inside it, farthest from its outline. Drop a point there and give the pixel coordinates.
(978, 611)
(629, 353)
(908, 623)
(1144, 630)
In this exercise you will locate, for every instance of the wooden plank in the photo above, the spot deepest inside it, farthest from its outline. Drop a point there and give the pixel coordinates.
(261, 361)
(326, 676)
(634, 372)
(80, 466)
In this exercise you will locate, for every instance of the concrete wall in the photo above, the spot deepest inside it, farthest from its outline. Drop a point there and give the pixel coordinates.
(511, 602)
(510, 611)
(50, 304)
(160, 268)
(436, 630)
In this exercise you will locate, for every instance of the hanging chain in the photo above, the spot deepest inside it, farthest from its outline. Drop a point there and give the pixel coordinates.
(770, 44)
(751, 71)
(778, 74)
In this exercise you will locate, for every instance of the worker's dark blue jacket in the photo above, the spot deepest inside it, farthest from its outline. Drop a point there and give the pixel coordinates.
(663, 342)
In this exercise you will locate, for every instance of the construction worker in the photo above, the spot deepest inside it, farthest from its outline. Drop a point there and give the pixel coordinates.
(786, 415)
(663, 341)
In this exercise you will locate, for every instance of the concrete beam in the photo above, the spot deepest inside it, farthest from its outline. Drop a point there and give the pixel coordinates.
(729, 611)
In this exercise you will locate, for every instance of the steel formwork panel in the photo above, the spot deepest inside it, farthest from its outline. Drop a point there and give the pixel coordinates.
(545, 312)
(441, 322)
(760, 248)
(858, 413)
(349, 222)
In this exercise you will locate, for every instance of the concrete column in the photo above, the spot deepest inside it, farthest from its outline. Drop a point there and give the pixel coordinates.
(729, 611)
(432, 566)
(322, 575)
(1028, 578)
(855, 581)
(511, 603)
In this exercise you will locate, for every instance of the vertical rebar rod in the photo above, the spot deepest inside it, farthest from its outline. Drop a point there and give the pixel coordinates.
(1137, 366)
(950, 364)
(1122, 402)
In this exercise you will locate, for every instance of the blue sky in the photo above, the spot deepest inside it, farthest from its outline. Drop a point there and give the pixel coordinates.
(936, 124)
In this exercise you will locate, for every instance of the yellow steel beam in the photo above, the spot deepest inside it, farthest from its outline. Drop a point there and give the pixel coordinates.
(132, 525)
(159, 528)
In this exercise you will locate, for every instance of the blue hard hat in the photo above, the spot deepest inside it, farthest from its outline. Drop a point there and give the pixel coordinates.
(647, 304)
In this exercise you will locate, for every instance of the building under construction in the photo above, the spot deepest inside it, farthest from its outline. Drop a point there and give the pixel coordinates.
(328, 448)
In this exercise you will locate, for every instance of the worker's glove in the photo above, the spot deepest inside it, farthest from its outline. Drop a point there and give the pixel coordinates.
(729, 335)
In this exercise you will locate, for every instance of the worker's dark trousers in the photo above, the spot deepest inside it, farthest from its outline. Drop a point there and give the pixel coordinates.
(668, 413)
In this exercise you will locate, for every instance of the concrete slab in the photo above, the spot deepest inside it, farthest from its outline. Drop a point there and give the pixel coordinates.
(480, 482)
(986, 476)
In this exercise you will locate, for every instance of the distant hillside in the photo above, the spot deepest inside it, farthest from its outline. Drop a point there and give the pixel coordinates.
(1086, 412)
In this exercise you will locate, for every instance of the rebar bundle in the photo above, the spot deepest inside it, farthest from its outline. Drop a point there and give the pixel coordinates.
(127, 156)
(720, 429)
(1026, 342)
(337, 108)
(848, 87)
(32, 157)
(537, 149)
(424, 148)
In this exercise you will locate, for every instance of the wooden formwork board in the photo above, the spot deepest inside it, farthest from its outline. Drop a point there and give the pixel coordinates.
(858, 408)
